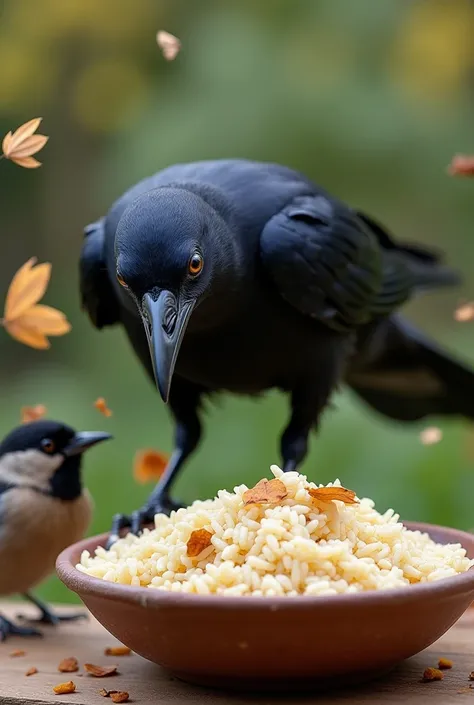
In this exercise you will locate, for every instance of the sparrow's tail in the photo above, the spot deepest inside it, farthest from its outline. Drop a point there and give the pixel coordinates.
(401, 374)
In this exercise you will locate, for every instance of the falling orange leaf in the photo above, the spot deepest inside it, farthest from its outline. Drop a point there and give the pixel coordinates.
(20, 145)
(17, 652)
(465, 312)
(265, 492)
(331, 494)
(149, 465)
(100, 671)
(431, 435)
(32, 413)
(101, 405)
(26, 320)
(461, 165)
(198, 541)
(169, 44)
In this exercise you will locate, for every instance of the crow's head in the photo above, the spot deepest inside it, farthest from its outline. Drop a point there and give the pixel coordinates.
(175, 254)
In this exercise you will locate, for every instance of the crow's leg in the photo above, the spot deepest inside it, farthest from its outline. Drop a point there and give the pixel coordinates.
(8, 628)
(294, 440)
(184, 403)
(307, 403)
(47, 616)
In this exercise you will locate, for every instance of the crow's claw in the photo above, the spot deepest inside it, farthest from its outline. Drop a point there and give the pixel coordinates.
(8, 628)
(119, 522)
(146, 514)
(48, 617)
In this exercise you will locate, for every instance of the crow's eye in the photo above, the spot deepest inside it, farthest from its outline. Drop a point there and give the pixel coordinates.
(121, 281)
(196, 264)
(48, 445)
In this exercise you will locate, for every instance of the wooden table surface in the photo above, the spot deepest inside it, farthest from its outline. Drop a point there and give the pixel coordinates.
(147, 683)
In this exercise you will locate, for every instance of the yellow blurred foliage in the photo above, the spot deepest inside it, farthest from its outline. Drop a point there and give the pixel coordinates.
(39, 42)
(108, 93)
(434, 49)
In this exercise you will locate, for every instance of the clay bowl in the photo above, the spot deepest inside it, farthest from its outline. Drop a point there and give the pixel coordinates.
(260, 643)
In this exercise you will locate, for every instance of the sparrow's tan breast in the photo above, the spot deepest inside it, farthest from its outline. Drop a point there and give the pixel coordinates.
(34, 529)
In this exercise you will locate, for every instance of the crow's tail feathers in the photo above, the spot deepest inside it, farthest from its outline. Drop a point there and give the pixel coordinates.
(406, 377)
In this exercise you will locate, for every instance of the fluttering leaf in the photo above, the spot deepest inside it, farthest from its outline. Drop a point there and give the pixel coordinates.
(149, 465)
(265, 492)
(26, 320)
(461, 165)
(431, 435)
(198, 541)
(101, 405)
(27, 287)
(465, 312)
(20, 145)
(32, 413)
(331, 494)
(169, 44)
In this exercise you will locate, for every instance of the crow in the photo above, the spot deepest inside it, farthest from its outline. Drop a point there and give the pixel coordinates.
(237, 276)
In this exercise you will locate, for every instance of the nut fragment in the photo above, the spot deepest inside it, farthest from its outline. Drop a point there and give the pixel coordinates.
(100, 671)
(445, 663)
(432, 674)
(119, 697)
(31, 671)
(64, 688)
(117, 651)
(68, 665)
(471, 676)
(17, 652)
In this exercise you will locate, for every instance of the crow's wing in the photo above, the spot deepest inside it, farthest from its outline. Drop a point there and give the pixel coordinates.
(97, 294)
(335, 266)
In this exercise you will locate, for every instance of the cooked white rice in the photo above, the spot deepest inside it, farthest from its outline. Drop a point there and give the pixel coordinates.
(295, 547)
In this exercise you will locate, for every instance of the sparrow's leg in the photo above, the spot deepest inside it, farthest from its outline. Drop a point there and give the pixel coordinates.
(8, 628)
(184, 403)
(47, 616)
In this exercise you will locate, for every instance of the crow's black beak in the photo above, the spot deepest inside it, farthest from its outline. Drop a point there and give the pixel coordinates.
(165, 324)
(84, 440)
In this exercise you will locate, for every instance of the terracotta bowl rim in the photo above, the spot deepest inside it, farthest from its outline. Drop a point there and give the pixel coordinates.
(84, 584)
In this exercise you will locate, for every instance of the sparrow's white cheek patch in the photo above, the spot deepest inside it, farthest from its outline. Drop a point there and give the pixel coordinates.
(29, 467)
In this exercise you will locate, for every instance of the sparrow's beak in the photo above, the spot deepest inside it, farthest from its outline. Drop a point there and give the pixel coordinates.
(84, 440)
(165, 324)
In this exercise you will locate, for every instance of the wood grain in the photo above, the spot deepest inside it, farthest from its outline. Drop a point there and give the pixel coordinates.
(148, 684)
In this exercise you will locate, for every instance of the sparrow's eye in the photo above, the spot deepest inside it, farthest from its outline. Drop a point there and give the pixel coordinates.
(48, 445)
(121, 281)
(196, 264)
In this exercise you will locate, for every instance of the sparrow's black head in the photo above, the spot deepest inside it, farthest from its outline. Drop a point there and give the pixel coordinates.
(46, 455)
(174, 251)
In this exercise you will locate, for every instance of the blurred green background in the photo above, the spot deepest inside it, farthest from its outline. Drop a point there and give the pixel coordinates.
(370, 99)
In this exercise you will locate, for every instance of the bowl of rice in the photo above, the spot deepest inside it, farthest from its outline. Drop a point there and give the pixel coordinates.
(284, 585)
